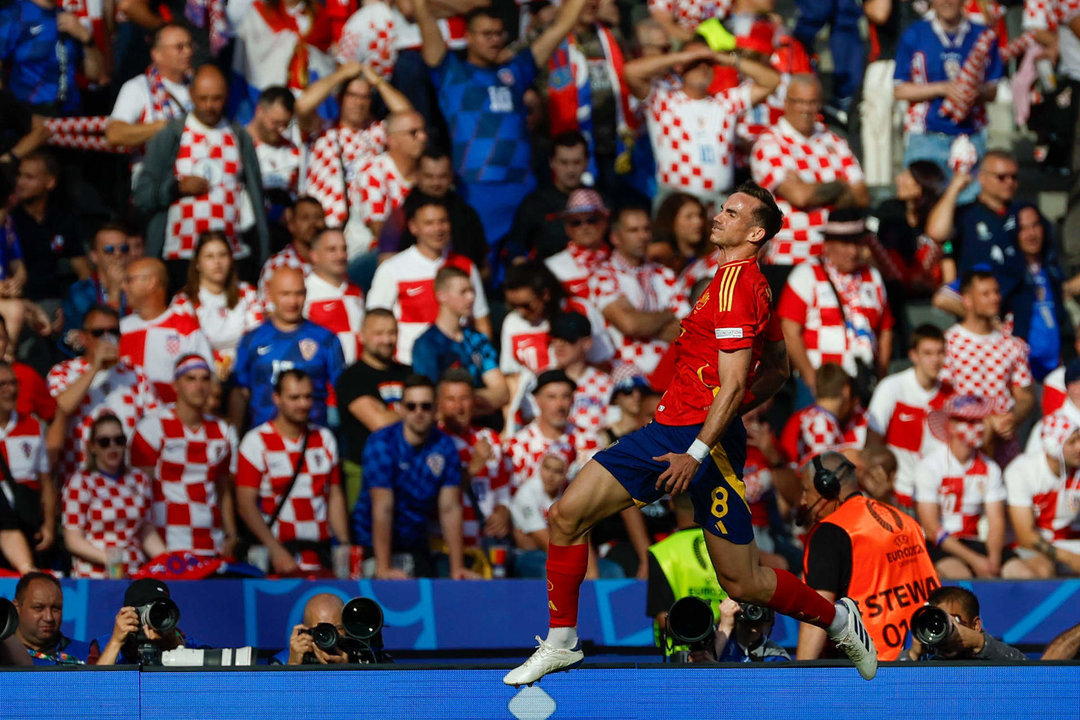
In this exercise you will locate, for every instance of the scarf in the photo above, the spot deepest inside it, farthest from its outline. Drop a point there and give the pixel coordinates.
(209, 15)
(280, 21)
(162, 106)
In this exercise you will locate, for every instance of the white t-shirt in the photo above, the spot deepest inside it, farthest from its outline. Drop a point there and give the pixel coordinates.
(134, 104)
(530, 504)
(1055, 500)
(961, 491)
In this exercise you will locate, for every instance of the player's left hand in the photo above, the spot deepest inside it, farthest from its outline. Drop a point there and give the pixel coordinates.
(681, 470)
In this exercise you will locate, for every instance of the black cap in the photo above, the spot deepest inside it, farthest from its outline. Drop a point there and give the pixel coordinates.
(846, 224)
(571, 327)
(145, 591)
(553, 376)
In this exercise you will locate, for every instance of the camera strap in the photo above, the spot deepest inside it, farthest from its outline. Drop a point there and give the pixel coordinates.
(470, 493)
(292, 483)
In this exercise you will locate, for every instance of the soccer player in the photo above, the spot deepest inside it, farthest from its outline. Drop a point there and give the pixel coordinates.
(698, 444)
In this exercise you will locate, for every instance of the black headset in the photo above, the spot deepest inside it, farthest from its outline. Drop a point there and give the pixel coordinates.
(827, 482)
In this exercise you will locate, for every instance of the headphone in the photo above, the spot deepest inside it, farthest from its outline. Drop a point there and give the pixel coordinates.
(827, 482)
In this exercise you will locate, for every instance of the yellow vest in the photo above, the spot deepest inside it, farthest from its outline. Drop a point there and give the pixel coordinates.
(685, 561)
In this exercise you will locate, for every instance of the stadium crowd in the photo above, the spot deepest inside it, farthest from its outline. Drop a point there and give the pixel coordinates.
(357, 288)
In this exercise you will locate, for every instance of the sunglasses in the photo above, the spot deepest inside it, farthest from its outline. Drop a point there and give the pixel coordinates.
(115, 440)
(111, 249)
(98, 332)
(1002, 177)
(578, 222)
(414, 406)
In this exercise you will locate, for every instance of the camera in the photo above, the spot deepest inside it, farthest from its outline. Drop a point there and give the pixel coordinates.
(161, 615)
(690, 622)
(362, 620)
(9, 619)
(749, 612)
(215, 657)
(931, 626)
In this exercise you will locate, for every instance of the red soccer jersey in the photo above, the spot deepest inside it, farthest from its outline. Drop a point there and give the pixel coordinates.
(732, 314)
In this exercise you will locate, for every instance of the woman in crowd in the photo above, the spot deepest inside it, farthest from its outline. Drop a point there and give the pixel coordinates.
(681, 225)
(901, 222)
(226, 308)
(107, 508)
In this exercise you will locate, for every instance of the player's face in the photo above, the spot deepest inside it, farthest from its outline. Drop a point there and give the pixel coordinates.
(843, 254)
(734, 224)
(567, 165)
(435, 176)
(330, 256)
(295, 400)
(1070, 451)
(456, 404)
(431, 228)
(634, 234)
(554, 401)
(528, 304)
(485, 38)
(304, 222)
(586, 230)
(41, 612)
(214, 262)
(287, 293)
(983, 299)
(802, 105)
(380, 337)
(9, 389)
(553, 474)
(418, 410)
(193, 388)
(356, 104)
(928, 357)
(458, 295)
(1030, 232)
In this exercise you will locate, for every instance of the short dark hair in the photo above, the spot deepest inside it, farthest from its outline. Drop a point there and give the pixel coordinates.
(46, 158)
(111, 227)
(23, 585)
(999, 154)
(970, 277)
(155, 36)
(295, 373)
(385, 313)
(413, 380)
(568, 139)
(100, 309)
(276, 94)
(926, 331)
(617, 216)
(456, 375)
(961, 596)
(831, 380)
(480, 12)
(767, 215)
(434, 152)
(306, 199)
(418, 200)
(447, 273)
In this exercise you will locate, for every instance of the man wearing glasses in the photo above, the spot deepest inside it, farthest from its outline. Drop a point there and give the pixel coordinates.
(109, 256)
(410, 469)
(585, 220)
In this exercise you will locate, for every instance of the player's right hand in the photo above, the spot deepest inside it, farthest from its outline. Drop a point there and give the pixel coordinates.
(681, 470)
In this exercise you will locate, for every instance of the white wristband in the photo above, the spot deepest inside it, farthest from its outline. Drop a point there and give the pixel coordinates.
(698, 450)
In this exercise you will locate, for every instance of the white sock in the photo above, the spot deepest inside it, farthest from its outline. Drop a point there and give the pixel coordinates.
(562, 637)
(839, 622)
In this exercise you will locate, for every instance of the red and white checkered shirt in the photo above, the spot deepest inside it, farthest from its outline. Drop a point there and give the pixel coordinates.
(279, 164)
(1048, 14)
(121, 390)
(813, 430)
(339, 309)
(212, 154)
(691, 13)
(267, 462)
(823, 157)
(808, 300)
(222, 325)
(589, 410)
(700, 269)
(527, 346)
(335, 158)
(109, 512)
(155, 346)
(288, 257)
(648, 288)
(406, 284)
(1054, 499)
(527, 446)
(368, 37)
(22, 441)
(379, 189)
(960, 490)
(986, 366)
(188, 466)
(694, 140)
(574, 265)
(491, 486)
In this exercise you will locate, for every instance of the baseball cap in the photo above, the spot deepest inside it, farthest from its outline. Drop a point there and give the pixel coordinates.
(145, 591)
(627, 378)
(571, 327)
(553, 376)
(846, 224)
(584, 201)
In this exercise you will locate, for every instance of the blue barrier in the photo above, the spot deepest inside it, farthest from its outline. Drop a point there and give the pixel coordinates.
(454, 615)
(957, 692)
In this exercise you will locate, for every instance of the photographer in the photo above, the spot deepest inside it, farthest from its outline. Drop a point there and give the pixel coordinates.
(966, 640)
(322, 608)
(130, 635)
(40, 602)
(742, 634)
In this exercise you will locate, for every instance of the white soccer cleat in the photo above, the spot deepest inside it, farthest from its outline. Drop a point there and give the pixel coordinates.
(546, 659)
(856, 643)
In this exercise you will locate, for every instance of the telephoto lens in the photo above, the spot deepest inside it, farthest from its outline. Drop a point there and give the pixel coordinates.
(690, 622)
(931, 625)
(325, 636)
(362, 618)
(753, 613)
(9, 619)
(162, 615)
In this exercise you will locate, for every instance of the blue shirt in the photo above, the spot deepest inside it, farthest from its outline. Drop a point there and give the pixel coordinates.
(981, 236)
(266, 351)
(485, 111)
(415, 475)
(66, 652)
(83, 295)
(40, 59)
(943, 55)
(433, 353)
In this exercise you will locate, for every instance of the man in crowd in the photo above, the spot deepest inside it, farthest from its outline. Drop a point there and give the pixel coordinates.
(369, 393)
(833, 422)
(280, 157)
(95, 383)
(33, 394)
(898, 410)
(967, 640)
(411, 468)
(332, 301)
(201, 173)
(485, 468)
(853, 549)
(40, 602)
(641, 300)
(835, 309)
(585, 219)
(189, 455)
(271, 455)
(109, 255)
(482, 98)
(304, 220)
(285, 341)
(810, 170)
(449, 343)
(406, 282)
(154, 336)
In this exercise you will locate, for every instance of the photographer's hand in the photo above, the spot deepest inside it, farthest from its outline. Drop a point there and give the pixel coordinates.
(728, 610)
(334, 658)
(127, 624)
(300, 643)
